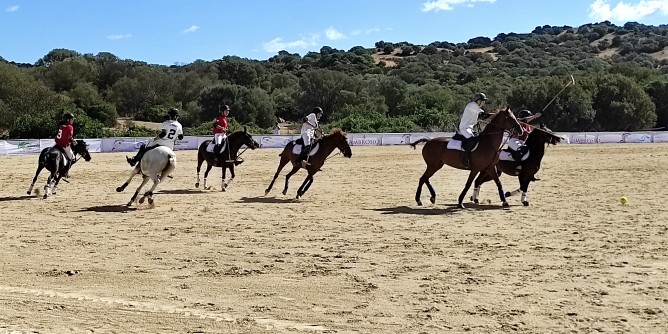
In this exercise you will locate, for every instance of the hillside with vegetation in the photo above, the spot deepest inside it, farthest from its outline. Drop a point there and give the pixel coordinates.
(621, 74)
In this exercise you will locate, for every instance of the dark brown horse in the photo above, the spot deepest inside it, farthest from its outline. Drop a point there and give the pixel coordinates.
(228, 158)
(536, 142)
(436, 154)
(327, 144)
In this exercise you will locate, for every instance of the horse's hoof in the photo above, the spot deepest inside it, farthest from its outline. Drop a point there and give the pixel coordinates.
(297, 197)
(223, 190)
(505, 204)
(266, 192)
(28, 192)
(419, 203)
(508, 194)
(141, 200)
(432, 199)
(284, 192)
(128, 205)
(119, 189)
(197, 185)
(45, 196)
(150, 201)
(461, 206)
(526, 203)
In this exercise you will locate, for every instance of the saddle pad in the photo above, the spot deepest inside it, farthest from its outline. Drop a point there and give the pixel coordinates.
(297, 149)
(209, 148)
(505, 155)
(454, 144)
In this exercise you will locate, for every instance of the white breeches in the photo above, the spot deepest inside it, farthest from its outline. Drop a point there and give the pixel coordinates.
(514, 144)
(68, 152)
(218, 138)
(162, 142)
(308, 137)
(467, 132)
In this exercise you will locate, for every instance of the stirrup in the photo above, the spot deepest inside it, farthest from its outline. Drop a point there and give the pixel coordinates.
(305, 163)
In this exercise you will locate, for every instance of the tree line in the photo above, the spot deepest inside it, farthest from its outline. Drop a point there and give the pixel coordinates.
(620, 71)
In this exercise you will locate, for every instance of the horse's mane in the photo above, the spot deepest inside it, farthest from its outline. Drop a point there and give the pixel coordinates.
(337, 131)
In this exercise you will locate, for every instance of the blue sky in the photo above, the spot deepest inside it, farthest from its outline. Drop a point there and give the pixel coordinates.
(169, 31)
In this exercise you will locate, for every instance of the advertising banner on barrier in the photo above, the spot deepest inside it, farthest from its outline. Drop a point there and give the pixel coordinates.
(624, 137)
(371, 139)
(395, 139)
(27, 146)
(582, 138)
(187, 143)
(123, 144)
(660, 137)
(268, 141)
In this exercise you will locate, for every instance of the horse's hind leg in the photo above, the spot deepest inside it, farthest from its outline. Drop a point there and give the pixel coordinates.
(34, 179)
(206, 174)
(149, 193)
(424, 179)
(287, 178)
(524, 187)
(479, 181)
(132, 175)
(199, 167)
(226, 184)
(134, 197)
(469, 181)
(284, 161)
(502, 194)
(47, 186)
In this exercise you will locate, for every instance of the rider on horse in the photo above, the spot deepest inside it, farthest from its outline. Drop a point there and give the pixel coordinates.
(64, 140)
(517, 142)
(467, 123)
(171, 131)
(310, 123)
(220, 131)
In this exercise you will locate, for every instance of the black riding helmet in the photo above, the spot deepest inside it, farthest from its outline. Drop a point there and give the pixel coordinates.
(317, 110)
(479, 96)
(173, 113)
(68, 116)
(225, 107)
(524, 114)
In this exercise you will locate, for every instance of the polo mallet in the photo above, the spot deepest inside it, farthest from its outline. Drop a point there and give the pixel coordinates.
(555, 97)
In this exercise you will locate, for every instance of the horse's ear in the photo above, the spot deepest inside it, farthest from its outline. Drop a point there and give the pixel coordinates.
(245, 130)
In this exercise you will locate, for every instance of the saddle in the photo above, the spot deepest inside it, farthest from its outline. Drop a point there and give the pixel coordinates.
(461, 143)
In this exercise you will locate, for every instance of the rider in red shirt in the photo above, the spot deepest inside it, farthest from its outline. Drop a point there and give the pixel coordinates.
(65, 138)
(517, 142)
(220, 130)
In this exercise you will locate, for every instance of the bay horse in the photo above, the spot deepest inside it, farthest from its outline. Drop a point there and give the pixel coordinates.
(227, 159)
(536, 142)
(53, 159)
(156, 164)
(436, 154)
(325, 145)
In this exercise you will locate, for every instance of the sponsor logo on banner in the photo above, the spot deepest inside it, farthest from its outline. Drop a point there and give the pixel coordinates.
(583, 139)
(364, 141)
(274, 141)
(636, 138)
(122, 145)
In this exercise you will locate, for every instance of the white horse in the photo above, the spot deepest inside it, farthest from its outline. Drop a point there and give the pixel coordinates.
(156, 164)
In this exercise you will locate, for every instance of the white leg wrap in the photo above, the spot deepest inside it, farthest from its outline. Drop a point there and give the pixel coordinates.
(524, 196)
(476, 193)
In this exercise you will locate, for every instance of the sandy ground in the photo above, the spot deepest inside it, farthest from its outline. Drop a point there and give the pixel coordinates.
(354, 255)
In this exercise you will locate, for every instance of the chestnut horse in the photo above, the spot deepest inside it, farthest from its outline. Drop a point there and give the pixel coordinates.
(536, 142)
(327, 144)
(234, 143)
(436, 154)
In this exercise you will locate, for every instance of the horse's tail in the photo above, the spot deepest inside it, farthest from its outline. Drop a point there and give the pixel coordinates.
(422, 140)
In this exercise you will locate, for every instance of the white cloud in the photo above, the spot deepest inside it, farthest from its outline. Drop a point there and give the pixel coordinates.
(437, 5)
(12, 9)
(277, 44)
(114, 37)
(333, 34)
(602, 10)
(366, 32)
(192, 28)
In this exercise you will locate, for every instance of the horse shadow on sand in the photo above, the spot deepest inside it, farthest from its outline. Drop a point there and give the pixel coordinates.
(181, 192)
(16, 198)
(108, 208)
(434, 210)
(267, 200)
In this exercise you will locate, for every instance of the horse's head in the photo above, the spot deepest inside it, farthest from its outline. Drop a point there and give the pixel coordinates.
(341, 142)
(506, 120)
(81, 148)
(244, 138)
(545, 135)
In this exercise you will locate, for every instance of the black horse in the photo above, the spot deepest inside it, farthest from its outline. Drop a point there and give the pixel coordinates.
(53, 159)
(227, 159)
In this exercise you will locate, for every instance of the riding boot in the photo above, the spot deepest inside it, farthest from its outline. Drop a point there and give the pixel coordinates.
(66, 170)
(517, 156)
(137, 157)
(467, 145)
(216, 153)
(303, 156)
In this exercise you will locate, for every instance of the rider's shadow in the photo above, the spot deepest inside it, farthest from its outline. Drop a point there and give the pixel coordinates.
(108, 208)
(270, 200)
(16, 198)
(432, 211)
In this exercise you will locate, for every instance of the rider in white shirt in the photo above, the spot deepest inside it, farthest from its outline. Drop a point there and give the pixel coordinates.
(310, 123)
(170, 133)
(467, 123)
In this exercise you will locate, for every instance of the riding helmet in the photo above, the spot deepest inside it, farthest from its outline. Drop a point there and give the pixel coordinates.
(479, 96)
(225, 107)
(173, 112)
(68, 115)
(317, 110)
(524, 114)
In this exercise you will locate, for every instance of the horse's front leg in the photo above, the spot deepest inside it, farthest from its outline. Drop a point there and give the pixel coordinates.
(47, 186)
(483, 177)
(469, 181)
(287, 177)
(34, 179)
(226, 184)
(502, 194)
(134, 197)
(206, 174)
(524, 187)
(304, 186)
(134, 172)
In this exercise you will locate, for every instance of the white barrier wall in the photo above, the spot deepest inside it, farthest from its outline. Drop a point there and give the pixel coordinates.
(132, 144)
